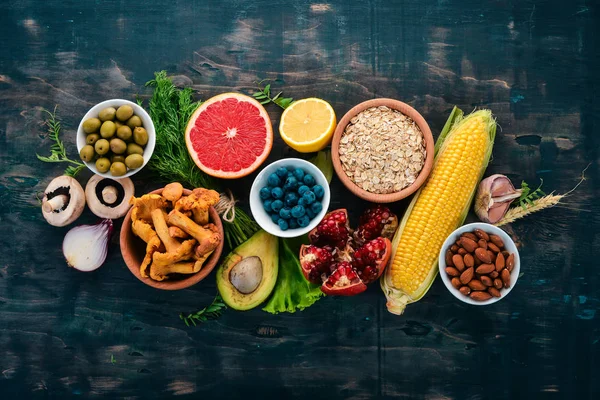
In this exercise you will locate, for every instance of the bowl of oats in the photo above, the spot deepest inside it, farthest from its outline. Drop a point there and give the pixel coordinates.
(382, 150)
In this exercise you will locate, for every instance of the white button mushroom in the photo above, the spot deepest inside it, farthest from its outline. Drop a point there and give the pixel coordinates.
(63, 201)
(109, 198)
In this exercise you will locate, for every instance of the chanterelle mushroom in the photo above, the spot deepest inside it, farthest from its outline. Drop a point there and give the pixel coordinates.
(198, 202)
(109, 198)
(63, 201)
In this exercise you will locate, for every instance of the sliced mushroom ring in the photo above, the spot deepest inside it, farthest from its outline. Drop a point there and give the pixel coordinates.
(109, 198)
(63, 201)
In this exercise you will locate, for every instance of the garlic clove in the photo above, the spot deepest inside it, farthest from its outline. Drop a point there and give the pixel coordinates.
(493, 198)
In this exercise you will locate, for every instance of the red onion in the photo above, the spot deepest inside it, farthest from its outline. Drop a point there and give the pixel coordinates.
(85, 247)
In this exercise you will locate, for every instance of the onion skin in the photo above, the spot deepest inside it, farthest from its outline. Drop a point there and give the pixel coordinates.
(85, 247)
(494, 196)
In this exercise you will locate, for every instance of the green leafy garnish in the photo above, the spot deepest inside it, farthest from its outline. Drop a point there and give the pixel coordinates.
(58, 153)
(263, 95)
(527, 196)
(112, 359)
(213, 311)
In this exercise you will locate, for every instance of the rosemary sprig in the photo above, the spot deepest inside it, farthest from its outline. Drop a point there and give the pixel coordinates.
(263, 95)
(213, 311)
(528, 197)
(58, 153)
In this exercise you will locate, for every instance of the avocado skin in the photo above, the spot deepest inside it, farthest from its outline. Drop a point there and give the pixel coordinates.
(262, 245)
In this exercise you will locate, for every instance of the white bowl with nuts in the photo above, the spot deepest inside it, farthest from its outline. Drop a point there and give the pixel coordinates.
(479, 264)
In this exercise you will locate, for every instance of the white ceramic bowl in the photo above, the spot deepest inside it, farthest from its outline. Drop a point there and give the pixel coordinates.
(509, 245)
(256, 204)
(137, 110)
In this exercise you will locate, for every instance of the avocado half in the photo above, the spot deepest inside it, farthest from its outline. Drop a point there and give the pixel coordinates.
(249, 273)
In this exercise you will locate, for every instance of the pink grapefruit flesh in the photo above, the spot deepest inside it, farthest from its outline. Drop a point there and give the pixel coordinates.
(229, 135)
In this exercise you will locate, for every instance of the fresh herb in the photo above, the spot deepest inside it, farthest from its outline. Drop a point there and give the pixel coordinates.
(213, 311)
(264, 95)
(112, 359)
(58, 153)
(528, 197)
(171, 109)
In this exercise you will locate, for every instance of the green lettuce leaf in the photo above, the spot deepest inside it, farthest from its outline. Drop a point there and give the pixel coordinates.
(292, 292)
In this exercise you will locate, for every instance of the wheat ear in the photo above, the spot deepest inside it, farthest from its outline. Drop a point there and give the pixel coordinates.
(539, 204)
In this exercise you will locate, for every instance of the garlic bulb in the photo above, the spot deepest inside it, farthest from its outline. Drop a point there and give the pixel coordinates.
(493, 198)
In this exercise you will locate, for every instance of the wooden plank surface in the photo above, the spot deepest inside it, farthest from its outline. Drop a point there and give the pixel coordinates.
(533, 63)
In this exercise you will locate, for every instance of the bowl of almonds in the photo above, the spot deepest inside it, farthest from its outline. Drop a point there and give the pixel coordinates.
(382, 150)
(479, 264)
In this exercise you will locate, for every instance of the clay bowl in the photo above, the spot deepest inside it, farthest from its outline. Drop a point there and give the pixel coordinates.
(429, 147)
(133, 250)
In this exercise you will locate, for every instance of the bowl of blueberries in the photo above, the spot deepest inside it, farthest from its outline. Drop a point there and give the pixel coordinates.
(289, 197)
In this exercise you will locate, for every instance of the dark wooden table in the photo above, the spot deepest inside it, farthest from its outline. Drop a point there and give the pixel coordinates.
(66, 334)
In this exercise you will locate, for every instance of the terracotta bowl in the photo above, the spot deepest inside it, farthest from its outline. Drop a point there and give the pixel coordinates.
(429, 147)
(133, 250)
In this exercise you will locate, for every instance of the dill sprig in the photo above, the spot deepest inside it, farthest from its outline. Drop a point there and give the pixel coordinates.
(213, 311)
(263, 95)
(528, 197)
(58, 153)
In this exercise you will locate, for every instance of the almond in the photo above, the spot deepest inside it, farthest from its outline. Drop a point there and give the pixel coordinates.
(469, 260)
(497, 240)
(505, 275)
(475, 284)
(494, 292)
(448, 259)
(454, 248)
(485, 269)
(498, 283)
(462, 251)
(480, 296)
(457, 260)
(465, 290)
(500, 262)
(466, 276)
(482, 243)
(510, 262)
(492, 256)
(456, 282)
(477, 261)
(494, 274)
(483, 255)
(469, 235)
(452, 271)
(468, 244)
(486, 280)
(481, 234)
(493, 247)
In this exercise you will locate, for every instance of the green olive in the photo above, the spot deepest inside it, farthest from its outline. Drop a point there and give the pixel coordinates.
(118, 169)
(103, 164)
(124, 132)
(102, 146)
(140, 136)
(118, 146)
(87, 153)
(118, 124)
(92, 138)
(134, 122)
(124, 112)
(117, 158)
(91, 125)
(107, 114)
(133, 148)
(134, 161)
(108, 129)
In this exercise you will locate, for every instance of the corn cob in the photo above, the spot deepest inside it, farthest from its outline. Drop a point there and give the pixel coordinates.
(462, 153)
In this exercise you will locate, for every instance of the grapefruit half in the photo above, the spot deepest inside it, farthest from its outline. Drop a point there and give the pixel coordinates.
(229, 135)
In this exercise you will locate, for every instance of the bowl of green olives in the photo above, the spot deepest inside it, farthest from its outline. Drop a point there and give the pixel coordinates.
(116, 138)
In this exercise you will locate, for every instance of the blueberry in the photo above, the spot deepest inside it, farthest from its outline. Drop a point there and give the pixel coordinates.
(281, 172)
(277, 193)
(303, 189)
(309, 180)
(264, 193)
(291, 199)
(273, 180)
(303, 221)
(275, 218)
(318, 191)
(283, 225)
(291, 182)
(267, 205)
(298, 211)
(309, 196)
(302, 201)
(310, 214)
(316, 207)
(299, 174)
(293, 223)
(277, 205)
(285, 213)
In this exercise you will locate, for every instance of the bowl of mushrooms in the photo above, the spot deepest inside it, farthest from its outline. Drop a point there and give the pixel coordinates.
(172, 238)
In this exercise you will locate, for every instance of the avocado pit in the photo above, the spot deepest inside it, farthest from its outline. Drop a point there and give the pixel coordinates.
(247, 274)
